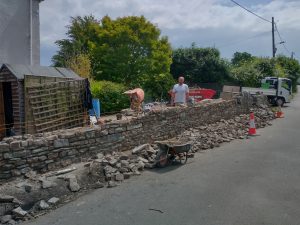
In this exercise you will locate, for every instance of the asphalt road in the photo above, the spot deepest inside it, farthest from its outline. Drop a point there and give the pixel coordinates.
(255, 181)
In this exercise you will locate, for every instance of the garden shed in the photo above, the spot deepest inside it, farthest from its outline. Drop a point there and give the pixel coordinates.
(36, 99)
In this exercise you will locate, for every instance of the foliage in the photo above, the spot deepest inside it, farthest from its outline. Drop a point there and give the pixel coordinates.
(131, 51)
(240, 58)
(80, 64)
(266, 66)
(159, 86)
(248, 71)
(199, 65)
(291, 68)
(82, 35)
(128, 50)
(111, 95)
(247, 75)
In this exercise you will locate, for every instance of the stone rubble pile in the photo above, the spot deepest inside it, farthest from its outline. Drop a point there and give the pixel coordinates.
(212, 135)
(15, 213)
(116, 167)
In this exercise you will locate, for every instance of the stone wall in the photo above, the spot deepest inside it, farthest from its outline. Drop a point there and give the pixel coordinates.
(48, 151)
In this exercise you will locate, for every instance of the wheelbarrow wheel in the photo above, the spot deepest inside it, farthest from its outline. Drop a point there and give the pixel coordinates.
(162, 159)
(183, 158)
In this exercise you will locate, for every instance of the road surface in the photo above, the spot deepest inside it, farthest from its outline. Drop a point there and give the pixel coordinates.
(255, 181)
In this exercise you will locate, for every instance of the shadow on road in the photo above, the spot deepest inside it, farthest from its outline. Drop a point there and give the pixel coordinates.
(171, 167)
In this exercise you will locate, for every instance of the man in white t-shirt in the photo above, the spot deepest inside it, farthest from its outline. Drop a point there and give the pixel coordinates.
(180, 92)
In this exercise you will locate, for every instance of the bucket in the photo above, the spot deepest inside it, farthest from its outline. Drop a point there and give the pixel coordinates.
(96, 108)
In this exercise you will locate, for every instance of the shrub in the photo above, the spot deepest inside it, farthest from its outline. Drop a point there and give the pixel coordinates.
(111, 95)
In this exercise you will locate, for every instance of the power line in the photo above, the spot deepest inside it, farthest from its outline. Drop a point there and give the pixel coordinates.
(281, 40)
(264, 19)
(243, 7)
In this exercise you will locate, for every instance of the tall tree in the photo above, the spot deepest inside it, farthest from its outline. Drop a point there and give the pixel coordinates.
(240, 58)
(131, 51)
(127, 50)
(82, 36)
(199, 65)
(291, 68)
(80, 64)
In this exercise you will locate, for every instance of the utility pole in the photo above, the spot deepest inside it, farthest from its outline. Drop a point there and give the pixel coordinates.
(293, 53)
(273, 38)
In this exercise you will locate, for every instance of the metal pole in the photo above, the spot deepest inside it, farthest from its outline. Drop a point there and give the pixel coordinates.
(31, 31)
(273, 38)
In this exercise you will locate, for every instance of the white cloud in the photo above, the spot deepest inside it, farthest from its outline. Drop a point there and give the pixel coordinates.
(176, 15)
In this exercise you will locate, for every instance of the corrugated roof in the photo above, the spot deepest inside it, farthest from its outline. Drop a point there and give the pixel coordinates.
(21, 70)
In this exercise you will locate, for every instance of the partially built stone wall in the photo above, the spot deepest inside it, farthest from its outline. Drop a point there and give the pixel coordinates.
(48, 151)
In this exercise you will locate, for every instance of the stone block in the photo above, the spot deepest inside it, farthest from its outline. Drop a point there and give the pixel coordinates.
(53, 200)
(53, 155)
(21, 154)
(135, 126)
(24, 144)
(73, 185)
(52, 138)
(15, 145)
(104, 133)
(60, 143)
(40, 143)
(19, 212)
(90, 134)
(120, 129)
(7, 156)
(4, 147)
(39, 150)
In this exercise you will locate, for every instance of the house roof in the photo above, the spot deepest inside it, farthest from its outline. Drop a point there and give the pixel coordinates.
(19, 71)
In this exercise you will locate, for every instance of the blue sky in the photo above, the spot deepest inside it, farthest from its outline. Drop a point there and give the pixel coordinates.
(208, 23)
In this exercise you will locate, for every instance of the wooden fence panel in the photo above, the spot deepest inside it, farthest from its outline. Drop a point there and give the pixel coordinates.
(56, 105)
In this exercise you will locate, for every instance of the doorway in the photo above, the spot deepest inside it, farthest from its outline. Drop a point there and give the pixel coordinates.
(8, 108)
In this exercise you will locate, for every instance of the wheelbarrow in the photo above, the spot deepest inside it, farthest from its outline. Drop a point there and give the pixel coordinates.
(170, 151)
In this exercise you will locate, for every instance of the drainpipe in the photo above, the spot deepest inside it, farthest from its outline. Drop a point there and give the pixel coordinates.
(31, 39)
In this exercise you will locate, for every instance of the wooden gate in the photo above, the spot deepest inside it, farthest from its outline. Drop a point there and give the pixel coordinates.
(2, 114)
(54, 106)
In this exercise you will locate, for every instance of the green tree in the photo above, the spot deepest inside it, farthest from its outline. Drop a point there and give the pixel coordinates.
(265, 66)
(199, 65)
(80, 64)
(82, 36)
(240, 58)
(247, 75)
(131, 51)
(128, 50)
(291, 68)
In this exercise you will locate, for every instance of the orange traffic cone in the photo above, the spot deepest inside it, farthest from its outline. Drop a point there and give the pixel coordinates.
(252, 128)
(279, 113)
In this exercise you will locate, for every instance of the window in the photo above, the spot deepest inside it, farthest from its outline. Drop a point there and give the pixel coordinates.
(286, 84)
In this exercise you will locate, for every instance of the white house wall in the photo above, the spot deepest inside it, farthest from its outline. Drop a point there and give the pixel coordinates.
(15, 32)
